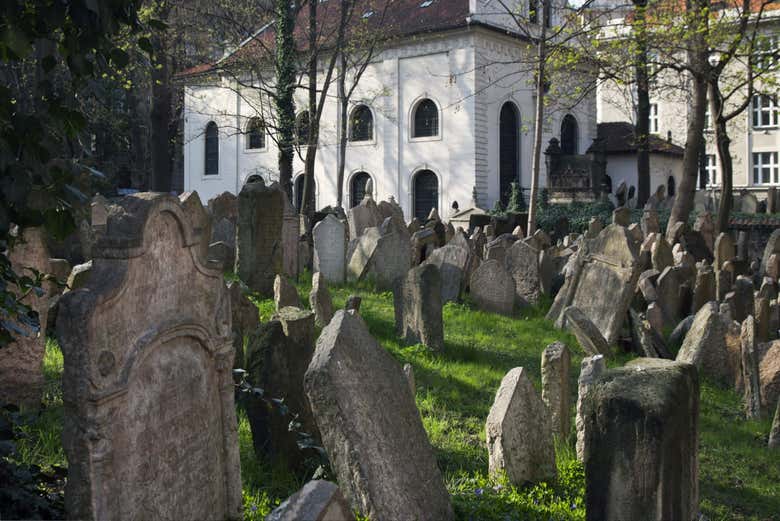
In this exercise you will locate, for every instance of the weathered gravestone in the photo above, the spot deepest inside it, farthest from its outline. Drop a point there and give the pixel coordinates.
(21, 362)
(522, 262)
(772, 247)
(362, 216)
(371, 428)
(318, 500)
(452, 262)
(602, 282)
(519, 436)
(493, 288)
(725, 250)
(285, 293)
(705, 345)
(675, 292)
(769, 376)
(245, 320)
(556, 365)
(150, 428)
(330, 249)
(362, 252)
(661, 254)
(259, 244)
(641, 443)
(704, 289)
(393, 253)
(750, 374)
(588, 335)
(591, 369)
(417, 302)
(320, 301)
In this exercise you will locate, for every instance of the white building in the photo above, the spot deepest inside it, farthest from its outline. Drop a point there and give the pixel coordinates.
(442, 113)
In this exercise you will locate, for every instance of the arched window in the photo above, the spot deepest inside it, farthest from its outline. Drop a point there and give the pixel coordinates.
(302, 127)
(361, 124)
(569, 135)
(212, 149)
(298, 190)
(357, 189)
(509, 149)
(671, 186)
(426, 119)
(255, 134)
(426, 194)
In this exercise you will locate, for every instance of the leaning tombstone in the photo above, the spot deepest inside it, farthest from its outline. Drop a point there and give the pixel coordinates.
(641, 443)
(519, 436)
(556, 364)
(318, 500)
(150, 425)
(588, 335)
(259, 234)
(21, 362)
(418, 305)
(371, 428)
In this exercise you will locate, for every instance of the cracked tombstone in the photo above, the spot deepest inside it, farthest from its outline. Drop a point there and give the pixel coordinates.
(149, 411)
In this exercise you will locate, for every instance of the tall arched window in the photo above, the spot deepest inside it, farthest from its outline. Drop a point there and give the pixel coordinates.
(569, 135)
(357, 189)
(255, 134)
(298, 190)
(212, 149)
(302, 127)
(426, 193)
(426, 119)
(361, 124)
(509, 149)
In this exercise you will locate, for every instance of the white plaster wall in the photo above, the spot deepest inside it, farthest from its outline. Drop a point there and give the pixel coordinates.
(622, 168)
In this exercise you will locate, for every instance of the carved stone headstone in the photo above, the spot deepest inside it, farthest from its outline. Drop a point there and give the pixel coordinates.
(452, 262)
(392, 257)
(330, 249)
(417, 302)
(642, 416)
(493, 288)
(522, 262)
(320, 301)
(364, 215)
(285, 293)
(725, 250)
(556, 365)
(705, 345)
(519, 436)
(150, 426)
(750, 374)
(772, 247)
(370, 426)
(259, 244)
(591, 369)
(21, 362)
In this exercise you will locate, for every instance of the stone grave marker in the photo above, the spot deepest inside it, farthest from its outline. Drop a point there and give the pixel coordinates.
(330, 249)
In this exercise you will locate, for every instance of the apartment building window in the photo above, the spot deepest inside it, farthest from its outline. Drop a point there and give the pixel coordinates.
(765, 168)
(654, 118)
(766, 55)
(707, 117)
(765, 111)
(709, 172)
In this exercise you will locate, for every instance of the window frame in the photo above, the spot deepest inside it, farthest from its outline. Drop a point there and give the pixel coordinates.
(758, 109)
(710, 170)
(350, 133)
(248, 136)
(206, 138)
(773, 166)
(654, 120)
(412, 120)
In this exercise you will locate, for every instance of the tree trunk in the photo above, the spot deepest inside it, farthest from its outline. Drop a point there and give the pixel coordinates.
(643, 105)
(698, 59)
(162, 101)
(541, 49)
(311, 147)
(722, 144)
(343, 129)
(285, 86)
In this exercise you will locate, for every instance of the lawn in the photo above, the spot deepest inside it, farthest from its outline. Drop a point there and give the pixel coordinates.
(739, 476)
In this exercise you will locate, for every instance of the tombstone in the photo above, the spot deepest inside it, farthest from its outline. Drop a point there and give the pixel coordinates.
(318, 500)
(496, 249)
(591, 369)
(594, 228)
(724, 280)
(772, 201)
(774, 434)
(744, 300)
(661, 254)
(353, 303)
(519, 435)
(223, 206)
(21, 361)
(393, 254)
(677, 336)
(452, 262)
(725, 250)
(748, 203)
(391, 209)
(768, 289)
(449, 232)
(479, 241)
(320, 301)
(635, 231)
(149, 333)
(602, 283)
(588, 335)
(650, 222)
(769, 375)
(743, 243)
(200, 220)
(245, 321)
(421, 241)
(278, 354)
(330, 249)
(706, 227)
(762, 310)
(371, 428)
(362, 216)
(259, 244)
(655, 317)
(621, 216)
(556, 364)
(414, 226)
(285, 294)
(361, 254)
(705, 345)
(642, 416)
(522, 262)
(674, 293)
(620, 194)
(291, 232)
(417, 303)
(493, 288)
(224, 230)
(704, 288)
(750, 374)
(222, 254)
(772, 248)
(518, 232)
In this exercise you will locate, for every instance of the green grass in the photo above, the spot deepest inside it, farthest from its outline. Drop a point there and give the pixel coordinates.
(739, 476)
